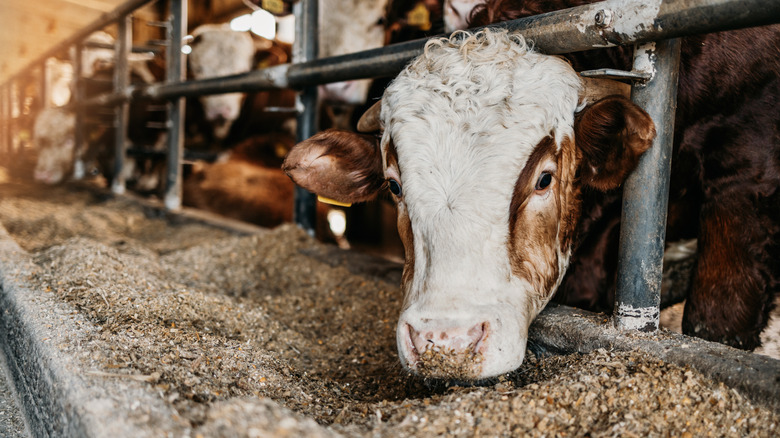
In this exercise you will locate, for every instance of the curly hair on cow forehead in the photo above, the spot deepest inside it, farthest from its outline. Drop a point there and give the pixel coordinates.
(500, 40)
(482, 80)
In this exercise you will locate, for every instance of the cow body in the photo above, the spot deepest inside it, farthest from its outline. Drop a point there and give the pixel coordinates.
(486, 155)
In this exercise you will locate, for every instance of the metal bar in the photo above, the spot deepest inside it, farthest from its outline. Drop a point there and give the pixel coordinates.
(122, 116)
(78, 130)
(570, 30)
(45, 92)
(646, 193)
(4, 119)
(134, 49)
(9, 114)
(13, 94)
(305, 49)
(176, 72)
(78, 37)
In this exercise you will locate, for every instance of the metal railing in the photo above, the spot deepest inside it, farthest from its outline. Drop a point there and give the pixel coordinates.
(651, 24)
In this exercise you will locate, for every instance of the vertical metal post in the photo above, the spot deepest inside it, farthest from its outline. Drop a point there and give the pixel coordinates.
(13, 112)
(7, 140)
(43, 91)
(176, 72)
(123, 43)
(305, 49)
(78, 131)
(646, 193)
(4, 147)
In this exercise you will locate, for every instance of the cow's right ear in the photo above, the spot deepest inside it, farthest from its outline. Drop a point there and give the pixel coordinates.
(611, 134)
(343, 166)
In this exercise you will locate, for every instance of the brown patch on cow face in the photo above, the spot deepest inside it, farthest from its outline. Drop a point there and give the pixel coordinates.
(404, 223)
(542, 217)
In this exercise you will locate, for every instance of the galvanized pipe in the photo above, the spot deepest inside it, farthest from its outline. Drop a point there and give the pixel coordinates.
(646, 193)
(305, 49)
(175, 72)
(45, 92)
(122, 116)
(133, 49)
(78, 130)
(9, 131)
(4, 120)
(570, 30)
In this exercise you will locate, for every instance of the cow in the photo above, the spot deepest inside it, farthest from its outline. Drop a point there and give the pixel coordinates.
(247, 184)
(486, 148)
(349, 26)
(54, 135)
(53, 138)
(715, 158)
(219, 51)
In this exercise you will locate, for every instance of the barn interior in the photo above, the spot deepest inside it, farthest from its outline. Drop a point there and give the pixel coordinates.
(121, 316)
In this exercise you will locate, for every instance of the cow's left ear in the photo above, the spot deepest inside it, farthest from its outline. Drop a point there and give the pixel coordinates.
(343, 166)
(611, 134)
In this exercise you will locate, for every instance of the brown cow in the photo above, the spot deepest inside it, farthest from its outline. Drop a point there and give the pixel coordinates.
(726, 173)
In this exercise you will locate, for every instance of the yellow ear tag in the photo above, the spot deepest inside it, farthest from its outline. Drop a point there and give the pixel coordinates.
(325, 200)
(419, 17)
(280, 149)
(275, 7)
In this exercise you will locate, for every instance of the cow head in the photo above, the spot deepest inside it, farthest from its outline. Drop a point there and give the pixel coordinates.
(486, 147)
(219, 51)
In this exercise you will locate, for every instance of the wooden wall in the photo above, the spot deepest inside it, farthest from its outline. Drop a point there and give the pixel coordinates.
(29, 28)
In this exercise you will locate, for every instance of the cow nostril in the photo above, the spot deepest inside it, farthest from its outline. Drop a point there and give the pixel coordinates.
(479, 333)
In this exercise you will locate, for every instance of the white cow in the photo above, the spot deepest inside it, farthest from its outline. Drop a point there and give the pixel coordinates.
(482, 144)
(53, 139)
(348, 26)
(219, 51)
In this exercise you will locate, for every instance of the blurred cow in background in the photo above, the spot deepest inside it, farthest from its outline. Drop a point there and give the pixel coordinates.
(219, 51)
(54, 129)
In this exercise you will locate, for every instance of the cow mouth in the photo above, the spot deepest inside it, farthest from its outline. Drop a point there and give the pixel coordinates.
(438, 364)
(462, 364)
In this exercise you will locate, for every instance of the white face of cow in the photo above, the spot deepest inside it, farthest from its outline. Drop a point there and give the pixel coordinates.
(349, 26)
(53, 139)
(479, 152)
(217, 51)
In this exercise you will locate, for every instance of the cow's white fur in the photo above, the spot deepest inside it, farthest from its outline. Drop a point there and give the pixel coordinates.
(53, 139)
(464, 118)
(349, 26)
(221, 52)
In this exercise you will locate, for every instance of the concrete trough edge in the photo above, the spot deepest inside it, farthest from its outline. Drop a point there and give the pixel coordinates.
(561, 329)
(59, 397)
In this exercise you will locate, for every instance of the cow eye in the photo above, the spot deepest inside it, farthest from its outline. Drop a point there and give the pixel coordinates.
(544, 181)
(394, 186)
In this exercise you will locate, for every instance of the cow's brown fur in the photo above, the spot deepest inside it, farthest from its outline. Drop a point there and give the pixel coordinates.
(532, 234)
(342, 169)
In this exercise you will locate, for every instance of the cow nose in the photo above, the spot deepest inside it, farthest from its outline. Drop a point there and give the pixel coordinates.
(451, 339)
(449, 351)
